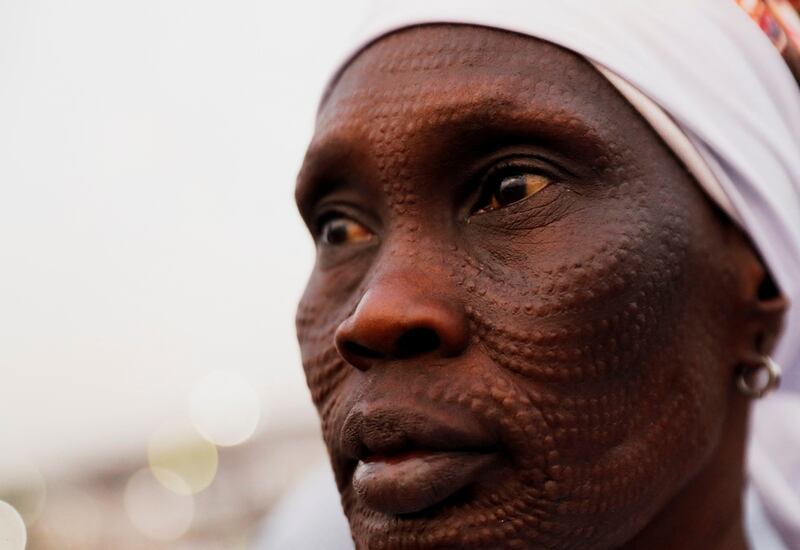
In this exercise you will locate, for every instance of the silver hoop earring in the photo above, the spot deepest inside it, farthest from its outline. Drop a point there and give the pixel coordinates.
(751, 383)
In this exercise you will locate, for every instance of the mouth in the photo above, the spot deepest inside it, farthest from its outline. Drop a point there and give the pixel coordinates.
(407, 461)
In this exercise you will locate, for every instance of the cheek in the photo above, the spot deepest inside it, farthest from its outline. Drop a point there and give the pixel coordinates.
(599, 333)
(326, 372)
(322, 308)
(582, 300)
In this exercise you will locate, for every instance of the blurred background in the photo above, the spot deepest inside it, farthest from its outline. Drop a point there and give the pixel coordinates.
(150, 262)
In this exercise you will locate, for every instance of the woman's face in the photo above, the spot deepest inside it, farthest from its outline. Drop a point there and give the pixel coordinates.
(517, 331)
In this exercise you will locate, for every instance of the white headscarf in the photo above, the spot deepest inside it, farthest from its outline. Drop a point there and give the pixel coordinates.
(720, 95)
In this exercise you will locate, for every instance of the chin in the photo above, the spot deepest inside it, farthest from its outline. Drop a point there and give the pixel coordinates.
(507, 508)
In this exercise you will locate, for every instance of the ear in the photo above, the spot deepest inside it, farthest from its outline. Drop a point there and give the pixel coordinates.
(765, 306)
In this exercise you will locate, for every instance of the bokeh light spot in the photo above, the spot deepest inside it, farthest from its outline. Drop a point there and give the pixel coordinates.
(225, 408)
(13, 535)
(181, 460)
(158, 513)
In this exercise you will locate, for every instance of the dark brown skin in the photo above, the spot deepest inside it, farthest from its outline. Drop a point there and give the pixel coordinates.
(555, 372)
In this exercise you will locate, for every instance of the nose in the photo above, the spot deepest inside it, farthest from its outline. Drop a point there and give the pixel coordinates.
(402, 318)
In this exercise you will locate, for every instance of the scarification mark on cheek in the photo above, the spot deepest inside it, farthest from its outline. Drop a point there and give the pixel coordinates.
(588, 358)
(316, 326)
(586, 318)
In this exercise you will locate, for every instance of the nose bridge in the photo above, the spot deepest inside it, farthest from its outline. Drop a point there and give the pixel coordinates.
(408, 309)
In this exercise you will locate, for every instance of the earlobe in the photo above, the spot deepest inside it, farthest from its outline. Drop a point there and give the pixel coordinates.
(762, 302)
(768, 307)
(756, 373)
(769, 312)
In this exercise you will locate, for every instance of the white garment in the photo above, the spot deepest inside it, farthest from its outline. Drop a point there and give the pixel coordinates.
(308, 517)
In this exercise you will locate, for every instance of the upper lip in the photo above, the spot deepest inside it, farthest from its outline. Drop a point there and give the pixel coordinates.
(376, 429)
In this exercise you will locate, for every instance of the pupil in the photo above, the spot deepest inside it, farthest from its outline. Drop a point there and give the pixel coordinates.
(512, 189)
(336, 232)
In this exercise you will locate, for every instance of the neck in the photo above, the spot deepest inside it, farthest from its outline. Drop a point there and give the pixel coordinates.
(707, 513)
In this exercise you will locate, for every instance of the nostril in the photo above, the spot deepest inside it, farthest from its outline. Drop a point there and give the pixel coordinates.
(361, 351)
(417, 341)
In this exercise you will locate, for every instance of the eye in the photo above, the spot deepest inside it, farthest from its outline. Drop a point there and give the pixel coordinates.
(339, 230)
(507, 189)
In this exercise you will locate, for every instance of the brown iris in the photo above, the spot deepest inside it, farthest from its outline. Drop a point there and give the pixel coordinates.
(341, 230)
(514, 188)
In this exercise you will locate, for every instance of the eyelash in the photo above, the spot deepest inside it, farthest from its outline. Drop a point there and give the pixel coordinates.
(357, 230)
(489, 182)
(324, 218)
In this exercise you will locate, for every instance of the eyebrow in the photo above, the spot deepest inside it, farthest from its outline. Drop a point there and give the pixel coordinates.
(562, 127)
(475, 127)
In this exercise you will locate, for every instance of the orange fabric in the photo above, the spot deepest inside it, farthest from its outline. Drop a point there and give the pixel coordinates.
(780, 21)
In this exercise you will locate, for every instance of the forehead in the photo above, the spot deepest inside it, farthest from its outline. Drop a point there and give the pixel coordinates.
(442, 69)
(427, 97)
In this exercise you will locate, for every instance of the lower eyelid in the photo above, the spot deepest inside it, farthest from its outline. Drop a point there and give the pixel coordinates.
(523, 211)
(492, 198)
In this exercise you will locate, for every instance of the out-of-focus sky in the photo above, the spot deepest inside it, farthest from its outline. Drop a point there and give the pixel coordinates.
(148, 235)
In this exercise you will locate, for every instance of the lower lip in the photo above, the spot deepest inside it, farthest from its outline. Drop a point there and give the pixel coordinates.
(414, 481)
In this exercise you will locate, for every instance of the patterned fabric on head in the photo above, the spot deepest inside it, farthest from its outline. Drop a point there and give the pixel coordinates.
(780, 21)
